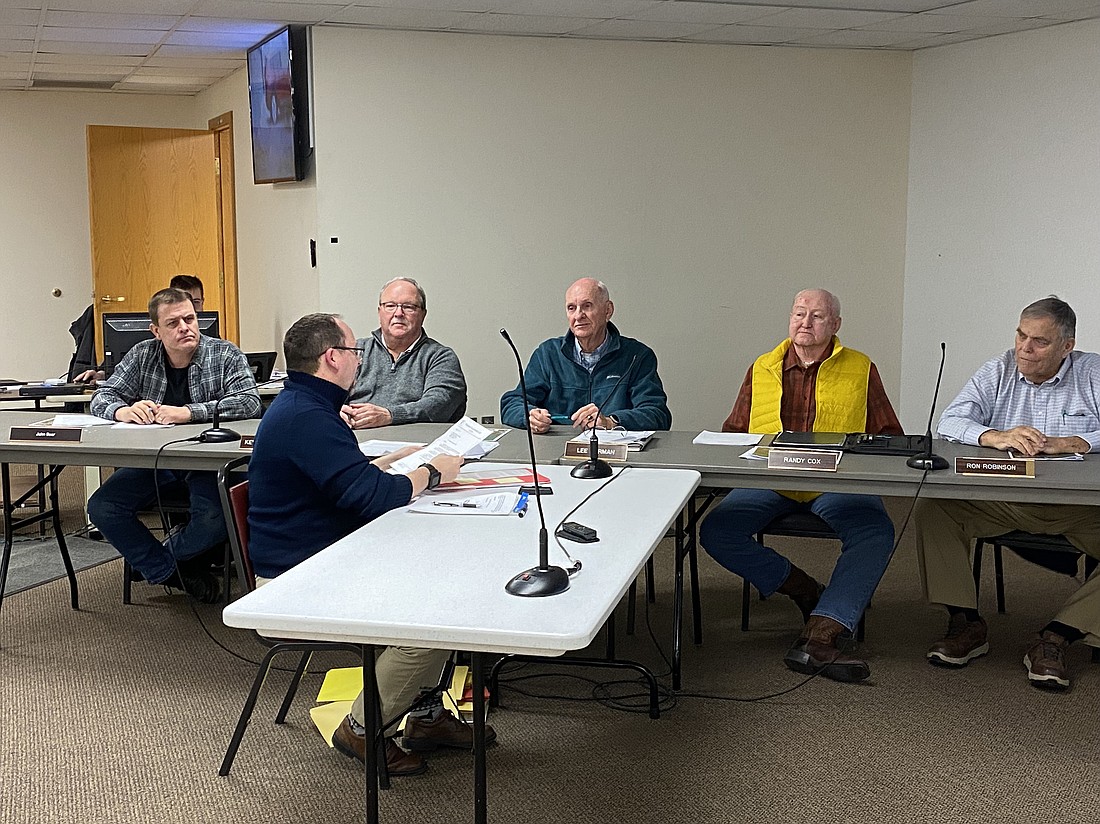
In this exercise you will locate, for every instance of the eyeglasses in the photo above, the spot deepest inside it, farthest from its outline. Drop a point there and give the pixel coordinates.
(358, 350)
(407, 308)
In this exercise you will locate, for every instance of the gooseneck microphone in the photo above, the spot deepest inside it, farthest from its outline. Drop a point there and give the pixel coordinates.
(215, 434)
(928, 461)
(543, 579)
(596, 467)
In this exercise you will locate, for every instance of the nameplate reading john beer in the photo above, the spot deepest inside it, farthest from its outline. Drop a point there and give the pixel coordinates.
(607, 451)
(247, 441)
(45, 434)
(810, 460)
(1011, 467)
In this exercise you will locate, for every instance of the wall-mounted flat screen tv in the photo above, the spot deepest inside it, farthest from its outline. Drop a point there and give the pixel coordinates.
(278, 100)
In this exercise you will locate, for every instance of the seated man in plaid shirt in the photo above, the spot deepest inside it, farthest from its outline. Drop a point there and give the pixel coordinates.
(177, 377)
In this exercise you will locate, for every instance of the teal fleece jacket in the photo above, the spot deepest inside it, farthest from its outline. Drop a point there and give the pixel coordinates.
(559, 384)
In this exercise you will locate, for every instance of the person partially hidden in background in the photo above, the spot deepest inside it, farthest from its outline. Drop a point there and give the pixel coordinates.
(575, 379)
(1042, 397)
(810, 383)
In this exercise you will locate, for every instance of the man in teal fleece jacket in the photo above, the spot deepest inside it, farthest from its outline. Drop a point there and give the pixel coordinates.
(575, 379)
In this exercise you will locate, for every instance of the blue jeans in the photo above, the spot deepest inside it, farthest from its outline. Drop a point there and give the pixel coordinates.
(114, 510)
(866, 533)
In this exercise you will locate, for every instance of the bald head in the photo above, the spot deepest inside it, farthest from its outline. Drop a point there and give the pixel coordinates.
(589, 308)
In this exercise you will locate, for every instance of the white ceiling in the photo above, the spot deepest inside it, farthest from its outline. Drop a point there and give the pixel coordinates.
(183, 46)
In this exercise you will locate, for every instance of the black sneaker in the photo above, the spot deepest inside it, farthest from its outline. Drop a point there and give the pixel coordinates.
(202, 586)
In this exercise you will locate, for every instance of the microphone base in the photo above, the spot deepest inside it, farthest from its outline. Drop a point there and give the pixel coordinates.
(927, 462)
(218, 435)
(592, 469)
(539, 582)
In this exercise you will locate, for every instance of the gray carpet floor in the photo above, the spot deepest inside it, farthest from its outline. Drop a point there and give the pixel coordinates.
(121, 714)
(35, 562)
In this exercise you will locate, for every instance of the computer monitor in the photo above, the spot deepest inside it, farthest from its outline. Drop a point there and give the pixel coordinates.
(261, 363)
(122, 330)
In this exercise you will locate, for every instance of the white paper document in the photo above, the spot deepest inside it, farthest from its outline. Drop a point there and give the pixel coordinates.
(121, 425)
(82, 421)
(375, 448)
(726, 438)
(458, 440)
(495, 503)
(1073, 456)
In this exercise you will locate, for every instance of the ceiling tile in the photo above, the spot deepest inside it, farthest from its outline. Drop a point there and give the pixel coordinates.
(855, 38)
(931, 23)
(91, 20)
(753, 34)
(824, 18)
(301, 12)
(18, 32)
(102, 35)
(684, 11)
(85, 47)
(601, 10)
(221, 40)
(526, 24)
(19, 17)
(405, 18)
(643, 29)
(441, 5)
(1017, 8)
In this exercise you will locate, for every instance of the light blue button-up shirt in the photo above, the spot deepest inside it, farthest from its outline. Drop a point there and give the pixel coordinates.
(588, 360)
(999, 397)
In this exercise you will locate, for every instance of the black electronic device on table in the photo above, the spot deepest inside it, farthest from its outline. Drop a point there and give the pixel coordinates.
(44, 390)
(905, 445)
(261, 363)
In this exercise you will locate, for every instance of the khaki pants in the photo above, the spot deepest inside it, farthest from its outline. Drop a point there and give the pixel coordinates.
(401, 672)
(946, 529)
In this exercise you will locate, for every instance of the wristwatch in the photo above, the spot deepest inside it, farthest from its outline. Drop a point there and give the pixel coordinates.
(433, 475)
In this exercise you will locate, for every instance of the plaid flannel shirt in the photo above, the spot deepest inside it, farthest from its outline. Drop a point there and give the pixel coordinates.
(217, 370)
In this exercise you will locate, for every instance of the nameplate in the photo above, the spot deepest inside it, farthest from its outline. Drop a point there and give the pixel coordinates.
(607, 451)
(46, 434)
(1010, 467)
(247, 441)
(816, 460)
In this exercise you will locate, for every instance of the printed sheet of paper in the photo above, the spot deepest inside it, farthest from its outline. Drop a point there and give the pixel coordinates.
(726, 438)
(458, 440)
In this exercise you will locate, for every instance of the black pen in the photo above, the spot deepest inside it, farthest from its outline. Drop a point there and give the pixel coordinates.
(464, 504)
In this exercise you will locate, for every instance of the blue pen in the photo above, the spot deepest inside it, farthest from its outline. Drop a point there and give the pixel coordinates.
(521, 505)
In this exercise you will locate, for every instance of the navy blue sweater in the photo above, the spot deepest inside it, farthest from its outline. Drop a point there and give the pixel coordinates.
(309, 485)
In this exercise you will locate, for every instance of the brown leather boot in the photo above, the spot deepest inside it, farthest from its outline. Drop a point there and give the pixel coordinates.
(816, 651)
(803, 590)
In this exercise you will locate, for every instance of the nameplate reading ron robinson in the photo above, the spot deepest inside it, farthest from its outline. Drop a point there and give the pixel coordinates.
(1007, 467)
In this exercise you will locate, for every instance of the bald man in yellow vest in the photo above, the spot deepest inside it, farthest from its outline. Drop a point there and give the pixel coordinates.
(810, 383)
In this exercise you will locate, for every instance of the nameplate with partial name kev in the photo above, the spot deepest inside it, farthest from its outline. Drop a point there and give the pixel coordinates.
(247, 441)
(608, 451)
(1007, 467)
(806, 460)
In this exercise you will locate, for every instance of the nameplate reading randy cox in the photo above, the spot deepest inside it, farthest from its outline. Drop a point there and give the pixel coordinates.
(1012, 467)
(810, 460)
(45, 434)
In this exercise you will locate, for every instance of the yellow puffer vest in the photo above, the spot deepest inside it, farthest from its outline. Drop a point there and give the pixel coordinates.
(840, 393)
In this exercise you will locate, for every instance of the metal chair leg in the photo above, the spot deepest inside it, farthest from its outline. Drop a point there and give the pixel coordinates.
(292, 689)
(246, 712)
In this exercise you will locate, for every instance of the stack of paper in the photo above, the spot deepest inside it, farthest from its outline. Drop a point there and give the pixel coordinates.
(635, 440)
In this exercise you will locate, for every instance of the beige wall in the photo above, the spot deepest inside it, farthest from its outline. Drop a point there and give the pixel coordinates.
(704, 184)
(44, 215)
(1003, 204)
(275, 222)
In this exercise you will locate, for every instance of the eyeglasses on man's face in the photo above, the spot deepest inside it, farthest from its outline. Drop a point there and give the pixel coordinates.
(407, 308)
(358, 350)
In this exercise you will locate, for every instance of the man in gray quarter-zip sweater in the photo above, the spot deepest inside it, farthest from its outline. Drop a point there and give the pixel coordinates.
(406, 376)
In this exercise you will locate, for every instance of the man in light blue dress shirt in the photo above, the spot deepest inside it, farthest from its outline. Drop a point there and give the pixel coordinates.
(1039, 398)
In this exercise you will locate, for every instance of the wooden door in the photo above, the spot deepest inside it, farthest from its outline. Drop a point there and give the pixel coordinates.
(154, 203)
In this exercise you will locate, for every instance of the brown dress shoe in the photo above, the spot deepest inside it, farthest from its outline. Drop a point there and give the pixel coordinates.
(816, 652)
(803, 590)
(422, 735)
(1046, 661)
(965, 641)
(398, 762)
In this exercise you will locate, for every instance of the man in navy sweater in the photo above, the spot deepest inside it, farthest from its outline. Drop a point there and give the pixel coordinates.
(309, 486)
